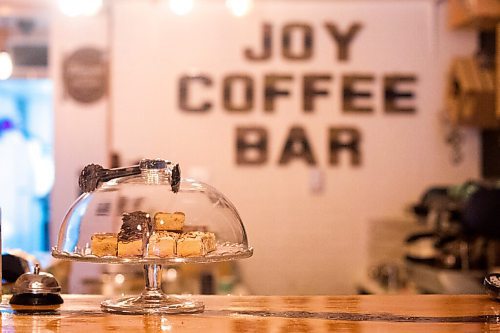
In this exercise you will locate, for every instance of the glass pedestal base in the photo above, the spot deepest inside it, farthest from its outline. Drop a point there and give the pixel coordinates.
(152, 300)
(156, 303)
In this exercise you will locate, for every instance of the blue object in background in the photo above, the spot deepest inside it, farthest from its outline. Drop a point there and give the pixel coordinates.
(26, 162)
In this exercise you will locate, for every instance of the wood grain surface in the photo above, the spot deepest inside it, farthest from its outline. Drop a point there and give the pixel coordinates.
(274, 314)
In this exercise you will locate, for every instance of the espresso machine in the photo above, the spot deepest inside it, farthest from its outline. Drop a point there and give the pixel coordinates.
(461, 243)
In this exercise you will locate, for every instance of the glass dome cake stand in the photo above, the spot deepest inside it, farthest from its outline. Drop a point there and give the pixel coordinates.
(147, 214)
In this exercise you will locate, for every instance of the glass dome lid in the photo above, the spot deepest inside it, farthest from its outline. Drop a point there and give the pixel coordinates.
(148, 214)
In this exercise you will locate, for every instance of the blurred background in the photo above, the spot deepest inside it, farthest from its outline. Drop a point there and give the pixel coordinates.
(359, 140)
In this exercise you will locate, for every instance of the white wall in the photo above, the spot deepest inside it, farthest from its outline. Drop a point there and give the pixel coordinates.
(305, 243)
(80, 135)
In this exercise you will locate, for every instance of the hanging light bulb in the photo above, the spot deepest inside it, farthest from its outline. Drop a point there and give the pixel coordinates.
(80, 7)
(6, 65)
(181, 7)
(239, 7)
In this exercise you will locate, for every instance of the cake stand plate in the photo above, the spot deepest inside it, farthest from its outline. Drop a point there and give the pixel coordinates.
(153, 300)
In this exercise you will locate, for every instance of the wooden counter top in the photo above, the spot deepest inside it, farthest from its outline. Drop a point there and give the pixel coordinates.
(275, 314)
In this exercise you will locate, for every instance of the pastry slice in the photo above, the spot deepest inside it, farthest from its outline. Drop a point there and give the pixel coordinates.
(162, 244)
(211, 243)
(195, 244)
(130, 249)
(104, 244)
(133, 233)
(169, 221)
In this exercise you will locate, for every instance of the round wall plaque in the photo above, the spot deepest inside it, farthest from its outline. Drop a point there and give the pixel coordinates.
(85, 75)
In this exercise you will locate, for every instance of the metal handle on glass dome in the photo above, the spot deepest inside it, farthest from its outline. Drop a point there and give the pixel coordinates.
(93, 174)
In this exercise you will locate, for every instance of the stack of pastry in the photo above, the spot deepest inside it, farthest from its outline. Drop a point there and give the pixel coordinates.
(133, 234)
(167, 228)
(163, 237)
(168, 240)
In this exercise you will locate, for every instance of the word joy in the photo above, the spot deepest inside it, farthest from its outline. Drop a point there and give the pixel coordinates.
(303, 36)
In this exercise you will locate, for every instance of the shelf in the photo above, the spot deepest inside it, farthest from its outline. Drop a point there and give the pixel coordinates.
(479, 14)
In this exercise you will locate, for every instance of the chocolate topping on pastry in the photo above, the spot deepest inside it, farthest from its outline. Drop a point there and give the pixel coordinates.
(134, 226)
